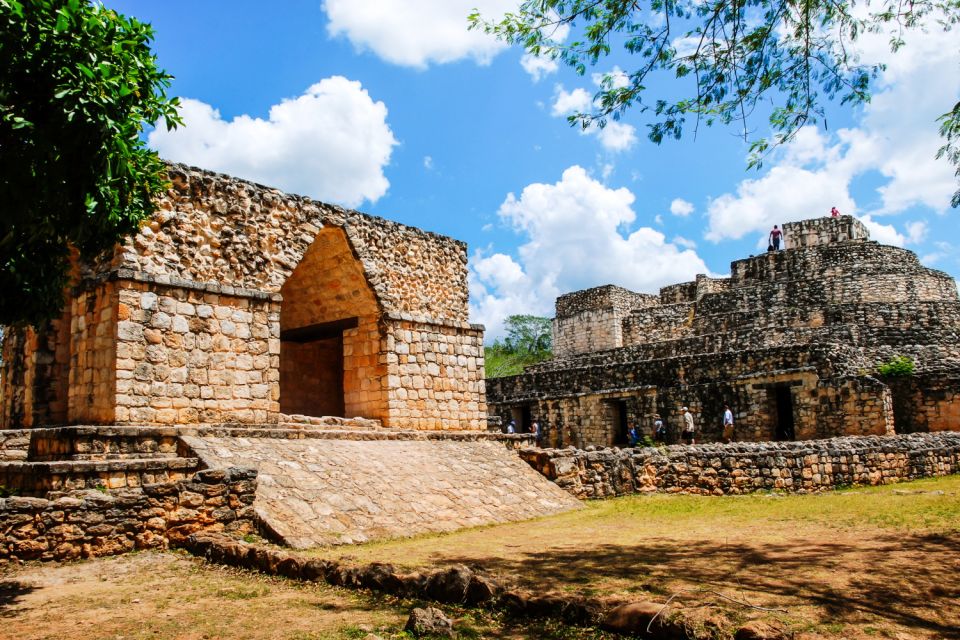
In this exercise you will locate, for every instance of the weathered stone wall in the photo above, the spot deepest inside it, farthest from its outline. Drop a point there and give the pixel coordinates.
(591, 320)
(93, 356)
(741, 468)
(820, 231)
(216, 228)
(89, 523)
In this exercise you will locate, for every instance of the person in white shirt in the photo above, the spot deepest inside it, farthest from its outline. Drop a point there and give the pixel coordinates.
(727, 424)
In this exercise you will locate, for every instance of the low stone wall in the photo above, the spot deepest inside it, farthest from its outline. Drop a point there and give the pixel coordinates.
(737, 468)
(83, 524)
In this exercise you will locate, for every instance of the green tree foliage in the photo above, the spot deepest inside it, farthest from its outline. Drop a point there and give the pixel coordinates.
(784, 57)
(529, 340)
(78, 84)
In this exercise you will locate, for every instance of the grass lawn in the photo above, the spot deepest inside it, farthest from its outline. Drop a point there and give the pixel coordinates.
(866, 562)
(880, 562)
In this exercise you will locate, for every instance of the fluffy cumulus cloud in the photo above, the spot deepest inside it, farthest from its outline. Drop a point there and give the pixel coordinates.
(417, 33)
(680, 207)
(331, 143)
(576, 235)
(815, 171)
(538, 66)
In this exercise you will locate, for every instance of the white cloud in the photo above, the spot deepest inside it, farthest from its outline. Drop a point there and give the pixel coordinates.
(427, 163)
(577, 235)
(883, 233)
(916, 231)
(616, 136)
(616, 78)
(538, 66)
(815, 171)
(680, 241)
(784, 194)
(566, 103)
(331, 143)
(680, 207)
(417, 33)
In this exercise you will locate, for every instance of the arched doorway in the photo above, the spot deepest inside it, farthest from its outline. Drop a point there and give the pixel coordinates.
(329, 336)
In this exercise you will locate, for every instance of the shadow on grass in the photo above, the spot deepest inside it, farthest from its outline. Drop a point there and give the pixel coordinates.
(910, 580)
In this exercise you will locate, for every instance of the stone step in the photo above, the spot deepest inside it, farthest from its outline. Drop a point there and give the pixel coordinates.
(103, 443)
(37, 478)
(297, 421)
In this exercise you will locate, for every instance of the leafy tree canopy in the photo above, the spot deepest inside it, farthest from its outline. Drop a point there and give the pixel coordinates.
(78, 84)
(529, 340)
(738, 56)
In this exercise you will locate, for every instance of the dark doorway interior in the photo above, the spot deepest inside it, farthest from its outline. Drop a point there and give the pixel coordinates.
(311, 369)
(619, 409)
(784, 400)
(526, 419)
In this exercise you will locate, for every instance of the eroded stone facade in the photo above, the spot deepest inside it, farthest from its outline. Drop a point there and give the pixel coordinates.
(236, 303)
(792, 340)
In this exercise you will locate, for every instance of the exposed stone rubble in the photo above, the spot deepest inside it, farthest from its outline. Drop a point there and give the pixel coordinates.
(326, 491)
(88, 523)
(729, 469)
(238, 303)
(792, 340)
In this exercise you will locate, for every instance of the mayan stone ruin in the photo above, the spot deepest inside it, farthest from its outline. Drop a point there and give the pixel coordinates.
(255, 361)
(240, 304)
(792, 340)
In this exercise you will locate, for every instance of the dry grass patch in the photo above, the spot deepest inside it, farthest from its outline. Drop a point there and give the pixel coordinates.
(869, 562)
(173, 596)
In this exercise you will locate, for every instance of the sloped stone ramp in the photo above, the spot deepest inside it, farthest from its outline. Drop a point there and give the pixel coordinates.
(314, 492)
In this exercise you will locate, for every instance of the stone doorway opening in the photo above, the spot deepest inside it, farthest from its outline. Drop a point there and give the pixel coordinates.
(330, 335)
(619, 419)
(522, 417)
(783, 399)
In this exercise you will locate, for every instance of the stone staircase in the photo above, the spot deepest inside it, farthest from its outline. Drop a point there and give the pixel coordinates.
(36, 461)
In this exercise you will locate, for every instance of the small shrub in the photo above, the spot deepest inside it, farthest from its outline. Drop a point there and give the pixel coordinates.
(898, 366)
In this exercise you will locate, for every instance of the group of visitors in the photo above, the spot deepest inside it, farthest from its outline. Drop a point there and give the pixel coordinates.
(534, 428)
(688, 430)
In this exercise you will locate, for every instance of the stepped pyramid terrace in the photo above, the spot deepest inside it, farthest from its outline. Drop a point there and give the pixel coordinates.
(792, 340)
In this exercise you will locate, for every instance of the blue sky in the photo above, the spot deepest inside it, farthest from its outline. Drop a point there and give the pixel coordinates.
(393, 108)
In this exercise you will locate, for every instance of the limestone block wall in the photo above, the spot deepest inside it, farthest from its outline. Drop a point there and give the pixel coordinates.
(195, 354)
(576, 405)
(928, 402)
(744, 467)
(187, 322)
(435, 375)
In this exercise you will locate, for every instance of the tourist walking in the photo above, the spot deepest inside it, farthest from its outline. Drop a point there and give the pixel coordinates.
(659, 429)
(834, 212)
(775, 236)
(689, 432)
(727, 424)
(633, 436)
(511, 427)
(535, 430)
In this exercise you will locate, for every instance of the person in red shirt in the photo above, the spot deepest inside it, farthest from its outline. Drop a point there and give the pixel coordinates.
(775, 236)
(834, 212)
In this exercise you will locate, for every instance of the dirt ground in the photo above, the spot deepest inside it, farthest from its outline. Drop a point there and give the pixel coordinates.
(866, 563)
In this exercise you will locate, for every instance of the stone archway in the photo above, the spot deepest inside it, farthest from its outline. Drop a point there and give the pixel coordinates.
(329, 335)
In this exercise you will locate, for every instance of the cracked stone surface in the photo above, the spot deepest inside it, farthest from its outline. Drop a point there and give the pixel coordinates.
(316, 492)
